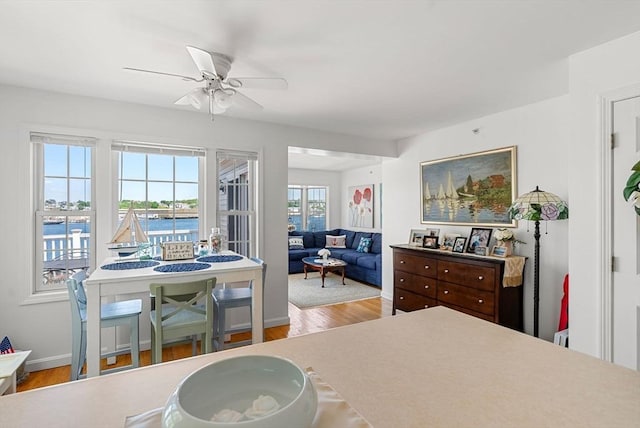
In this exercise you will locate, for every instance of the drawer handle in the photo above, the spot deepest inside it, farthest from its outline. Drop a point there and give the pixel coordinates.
(446, 291)
(480, 301)
(401, 297)
(426, 266)
(401, 262)
(446, 271)
(481, 277)
(426, 306)
(401, 279)
(426, 286)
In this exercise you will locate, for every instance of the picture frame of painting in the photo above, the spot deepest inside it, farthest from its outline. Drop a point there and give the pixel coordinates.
(430, 242)
(449, 238)
(416, 237)
(476, 189)
(360, 206)
(479, 237)
(458, 244)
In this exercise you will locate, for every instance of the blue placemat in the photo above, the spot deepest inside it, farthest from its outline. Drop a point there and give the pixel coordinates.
(219, 259)
(129, 265)
(182, 267)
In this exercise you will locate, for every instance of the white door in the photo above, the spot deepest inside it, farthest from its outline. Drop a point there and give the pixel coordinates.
(625, 233)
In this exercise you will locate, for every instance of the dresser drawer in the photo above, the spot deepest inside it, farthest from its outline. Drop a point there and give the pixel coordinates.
(415, 264)
(470, 275)
(418, 284)
(470, 298)
(468, 312)
(408, 301)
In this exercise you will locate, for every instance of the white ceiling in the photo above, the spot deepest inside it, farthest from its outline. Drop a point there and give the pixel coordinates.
(380, 69)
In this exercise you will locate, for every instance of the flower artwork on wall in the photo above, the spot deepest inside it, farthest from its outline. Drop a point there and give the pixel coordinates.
(361, 206)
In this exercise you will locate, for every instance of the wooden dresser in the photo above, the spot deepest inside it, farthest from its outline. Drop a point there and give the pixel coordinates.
(471, 284)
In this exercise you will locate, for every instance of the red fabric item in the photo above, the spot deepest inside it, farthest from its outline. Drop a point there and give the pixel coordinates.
(564, 306)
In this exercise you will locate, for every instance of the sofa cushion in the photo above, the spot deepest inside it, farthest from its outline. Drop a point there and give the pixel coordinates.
(320, 238)
(364, 246)
(296, 255)
(351, 257)
(296, 243)
(368, 261)
(376, 243)
(350, 234)
(335, 241)
(356, 239)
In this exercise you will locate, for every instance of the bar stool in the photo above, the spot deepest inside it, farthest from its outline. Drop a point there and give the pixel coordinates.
(111, 315)
(227, 298)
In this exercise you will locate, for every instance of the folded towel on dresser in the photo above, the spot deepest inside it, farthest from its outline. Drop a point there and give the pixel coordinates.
(513, 269)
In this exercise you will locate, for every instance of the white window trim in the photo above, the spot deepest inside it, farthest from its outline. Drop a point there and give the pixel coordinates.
(35, 162)
(304, 201)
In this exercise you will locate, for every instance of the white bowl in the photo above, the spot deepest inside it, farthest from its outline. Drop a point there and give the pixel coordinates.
(232, 385)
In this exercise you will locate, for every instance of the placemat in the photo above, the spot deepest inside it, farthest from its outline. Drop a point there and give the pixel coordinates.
(182, 267)
(219, 259)
(129, 265)
(333, 411)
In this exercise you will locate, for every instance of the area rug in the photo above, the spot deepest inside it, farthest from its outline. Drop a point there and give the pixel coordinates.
(307, 293)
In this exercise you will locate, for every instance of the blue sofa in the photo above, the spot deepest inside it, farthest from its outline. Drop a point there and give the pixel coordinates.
(364, 267)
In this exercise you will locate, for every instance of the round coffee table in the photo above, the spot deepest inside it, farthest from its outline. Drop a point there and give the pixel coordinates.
(322, 266)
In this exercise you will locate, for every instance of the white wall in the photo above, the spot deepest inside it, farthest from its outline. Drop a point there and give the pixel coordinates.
(541, 133)
(361, 176)
(592, 74)
(45, 328)
(331, 179)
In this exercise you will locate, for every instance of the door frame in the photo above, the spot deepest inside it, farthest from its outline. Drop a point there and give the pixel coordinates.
(605, 251)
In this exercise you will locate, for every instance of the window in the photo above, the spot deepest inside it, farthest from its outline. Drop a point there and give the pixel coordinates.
(236, 207)
(163, 186)
(307, 207)
(65, 219)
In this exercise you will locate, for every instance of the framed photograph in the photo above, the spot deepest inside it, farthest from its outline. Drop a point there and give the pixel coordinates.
(499, 251)
(458, 244)
(472, 190)
(416, 237)
(447, 242)
(430, 242)
(481, 251)
(360, 206)
(479, 237)
(433, 232)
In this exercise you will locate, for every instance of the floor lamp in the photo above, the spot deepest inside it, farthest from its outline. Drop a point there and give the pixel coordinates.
(536, 206)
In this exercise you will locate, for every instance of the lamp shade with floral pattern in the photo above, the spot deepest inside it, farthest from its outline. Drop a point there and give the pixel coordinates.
(539, 205)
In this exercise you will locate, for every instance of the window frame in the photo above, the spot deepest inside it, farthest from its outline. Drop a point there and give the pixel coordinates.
(37, 140)
(304, 203)
(148, 148)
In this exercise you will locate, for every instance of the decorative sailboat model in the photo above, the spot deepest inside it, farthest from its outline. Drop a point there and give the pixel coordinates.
(129, 238)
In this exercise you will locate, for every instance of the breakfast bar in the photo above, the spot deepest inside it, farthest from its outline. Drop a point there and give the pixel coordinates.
(429, 368)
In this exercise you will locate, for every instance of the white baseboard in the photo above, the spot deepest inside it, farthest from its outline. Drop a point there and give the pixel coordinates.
(65, 359)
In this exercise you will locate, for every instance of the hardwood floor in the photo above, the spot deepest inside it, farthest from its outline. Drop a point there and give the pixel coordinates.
(303, 321)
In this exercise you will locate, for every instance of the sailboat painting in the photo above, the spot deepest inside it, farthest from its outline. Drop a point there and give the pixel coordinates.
(129, 237)
(475, 189)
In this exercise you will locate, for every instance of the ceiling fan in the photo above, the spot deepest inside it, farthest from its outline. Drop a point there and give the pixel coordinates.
(220, 91)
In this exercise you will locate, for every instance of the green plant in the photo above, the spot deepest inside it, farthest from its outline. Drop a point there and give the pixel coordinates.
(631, 191)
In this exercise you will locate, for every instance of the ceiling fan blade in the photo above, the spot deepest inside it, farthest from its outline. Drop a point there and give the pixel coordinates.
(203, 60)
(187, 78)
(243, 101)
(196, 98)
(257, 82)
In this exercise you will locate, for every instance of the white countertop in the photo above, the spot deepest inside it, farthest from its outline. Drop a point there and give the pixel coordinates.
(429, 368)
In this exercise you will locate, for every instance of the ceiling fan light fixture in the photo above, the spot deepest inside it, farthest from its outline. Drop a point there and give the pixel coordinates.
(234, 83)
(223, 98)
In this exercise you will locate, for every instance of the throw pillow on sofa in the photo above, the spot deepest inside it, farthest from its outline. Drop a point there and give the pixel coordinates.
(296, 243)
(336, 241)
(364, 246)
